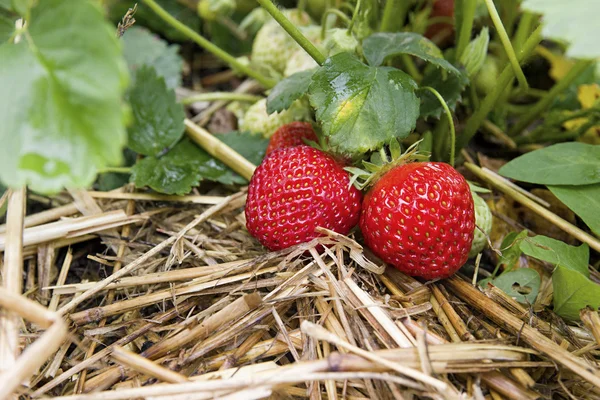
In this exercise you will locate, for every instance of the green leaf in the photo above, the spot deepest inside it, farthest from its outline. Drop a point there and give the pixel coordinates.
(61, 98)
(450, 89)
(361, 107)
(572, 292)
(379, 46)
(178, 171)
(558, 253)
(157, 117)
(560, 164)
(251, 147)
(141, 47)
(583, 200)
(522, 284)
(575, 22)
(186, 164)
(288, 90)
(475, 53)
(511, 249)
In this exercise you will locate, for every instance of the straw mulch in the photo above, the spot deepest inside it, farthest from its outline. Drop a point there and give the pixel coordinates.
(131, 295)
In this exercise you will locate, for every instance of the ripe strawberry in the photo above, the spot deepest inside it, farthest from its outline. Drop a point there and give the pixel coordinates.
(295, 190)
(290, 135)
(419, 217)
(483, 220)
(440, 32)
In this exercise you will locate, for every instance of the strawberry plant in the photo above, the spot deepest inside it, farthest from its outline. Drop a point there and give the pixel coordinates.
(448, 140)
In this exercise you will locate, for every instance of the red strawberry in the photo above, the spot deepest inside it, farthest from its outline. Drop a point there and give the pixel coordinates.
(419, 217)
(295, 190)
(442, 31)
(290, 135)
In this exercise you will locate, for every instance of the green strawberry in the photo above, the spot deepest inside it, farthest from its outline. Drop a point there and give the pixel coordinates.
(300, 60)
(210, 10)
(487, 77)
(483, 220)
(338, 41)
(273, 46)
(257, 121)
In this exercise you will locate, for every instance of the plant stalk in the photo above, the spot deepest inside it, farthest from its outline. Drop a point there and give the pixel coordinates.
(491, 99)
(394, 15)
(510, 52)
(549, 97)
(208, 46)
(354, 15)
(450, 121)
(569, 228)
(220, 150)
(466, 26)
(216, 96)
(292, 31)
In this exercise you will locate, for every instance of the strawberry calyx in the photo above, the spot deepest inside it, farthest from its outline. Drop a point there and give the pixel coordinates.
(380, 163)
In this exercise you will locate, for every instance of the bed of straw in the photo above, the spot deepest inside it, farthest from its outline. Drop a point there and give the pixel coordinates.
(130, 295)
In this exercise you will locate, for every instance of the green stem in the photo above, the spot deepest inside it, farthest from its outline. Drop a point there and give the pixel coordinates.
(216, 96)
(116, 170)
(208, 46)
(466, 25)
(329, 12)
(490, 100)
(545, 101)
(450, 121)
(510, 52)
(292, 31)
(394, 15)
(301, 5)
(523, 30)
(354, 15)
(411, 68)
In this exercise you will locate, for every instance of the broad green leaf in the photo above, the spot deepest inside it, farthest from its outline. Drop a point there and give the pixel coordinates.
(141, 47)
(288, 90)
(178, 171)
(252, 147)
(186, 164)
(61, 98)
(449, 88)
(361, 107)
(379, 46)
(572, 292)
(522, 284)
(511, 249)
(157, 117)
(475, 53)
(575, 22)
(583, 200)
(560, 164)
(558, 253)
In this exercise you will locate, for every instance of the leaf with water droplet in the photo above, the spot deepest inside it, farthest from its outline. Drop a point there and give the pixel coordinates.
(361, 107)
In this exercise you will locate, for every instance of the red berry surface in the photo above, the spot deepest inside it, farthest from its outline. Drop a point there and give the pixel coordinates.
(441, 8)
(420, 218)
(290, 135)
(295, 190)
